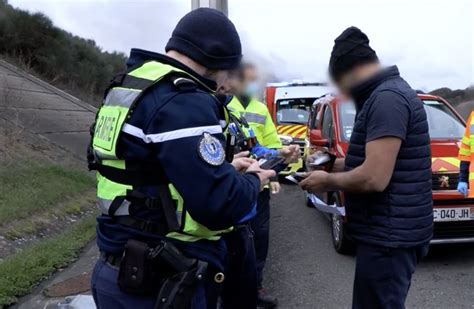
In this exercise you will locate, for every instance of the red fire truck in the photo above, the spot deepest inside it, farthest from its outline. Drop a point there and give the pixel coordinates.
(330, 126)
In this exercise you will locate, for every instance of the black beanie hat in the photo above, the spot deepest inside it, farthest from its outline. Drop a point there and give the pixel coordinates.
(208, 37)
(350, 49)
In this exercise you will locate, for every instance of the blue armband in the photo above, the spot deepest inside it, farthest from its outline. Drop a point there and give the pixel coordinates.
(260, 151)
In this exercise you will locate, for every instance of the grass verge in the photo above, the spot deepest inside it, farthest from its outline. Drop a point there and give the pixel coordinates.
(29, 188)
(77, 205)
(20, 273)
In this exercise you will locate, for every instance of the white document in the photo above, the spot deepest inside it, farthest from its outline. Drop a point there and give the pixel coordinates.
(322, 159)
(292, 179)
(322, 206)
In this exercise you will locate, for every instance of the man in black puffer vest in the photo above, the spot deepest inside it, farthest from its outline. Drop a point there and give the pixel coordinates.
(386, 175)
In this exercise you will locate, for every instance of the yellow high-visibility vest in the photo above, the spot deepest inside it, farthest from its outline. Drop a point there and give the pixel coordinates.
(260, 120)
(466, 152)
(111, 118)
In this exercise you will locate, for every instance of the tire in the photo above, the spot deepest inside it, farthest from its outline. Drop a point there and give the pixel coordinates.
(342, 244)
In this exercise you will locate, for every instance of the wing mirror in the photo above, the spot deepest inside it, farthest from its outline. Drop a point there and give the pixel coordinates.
(316, 139)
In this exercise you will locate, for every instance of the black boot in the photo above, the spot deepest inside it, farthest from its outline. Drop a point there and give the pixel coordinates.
(266, 300)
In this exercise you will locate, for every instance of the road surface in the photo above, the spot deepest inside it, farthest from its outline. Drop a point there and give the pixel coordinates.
(304, 271)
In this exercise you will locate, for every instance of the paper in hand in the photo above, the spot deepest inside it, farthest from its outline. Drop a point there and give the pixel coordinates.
(322, 206)
(322, 161)
(296, 177)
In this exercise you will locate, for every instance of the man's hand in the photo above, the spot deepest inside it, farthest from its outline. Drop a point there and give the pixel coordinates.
(242, 164)
(315, 182)
(372, 176)
(264, 175)
(290, 153)
(275, 187)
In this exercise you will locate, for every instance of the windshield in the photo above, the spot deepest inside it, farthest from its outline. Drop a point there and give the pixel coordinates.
(293, 110)
(443, 123)
(441, 120)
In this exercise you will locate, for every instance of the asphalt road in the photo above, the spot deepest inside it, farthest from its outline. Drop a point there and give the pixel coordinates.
(304, 271)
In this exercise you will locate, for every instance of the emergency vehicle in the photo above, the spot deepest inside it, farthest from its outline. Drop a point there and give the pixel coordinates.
(290, 103)
(330, 127)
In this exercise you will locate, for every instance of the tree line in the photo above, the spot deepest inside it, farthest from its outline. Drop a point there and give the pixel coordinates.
(70, 62)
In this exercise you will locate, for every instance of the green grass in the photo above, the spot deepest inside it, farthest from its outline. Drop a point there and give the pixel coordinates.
(29, 188)
(20, 273)
(75, 205)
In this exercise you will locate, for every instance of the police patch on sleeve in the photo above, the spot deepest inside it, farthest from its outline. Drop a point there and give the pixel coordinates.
(211, 150)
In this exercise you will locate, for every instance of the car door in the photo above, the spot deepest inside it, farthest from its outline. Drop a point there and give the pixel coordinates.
(327, 133)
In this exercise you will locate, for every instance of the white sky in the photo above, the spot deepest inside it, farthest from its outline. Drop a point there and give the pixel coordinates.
(432, 42)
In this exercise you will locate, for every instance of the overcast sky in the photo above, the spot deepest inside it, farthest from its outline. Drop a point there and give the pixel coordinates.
(432, 42)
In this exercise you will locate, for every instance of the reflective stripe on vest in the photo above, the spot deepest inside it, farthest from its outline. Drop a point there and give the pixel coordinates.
(256, 118)
(170, 135)
(110, 123)
(259, 119)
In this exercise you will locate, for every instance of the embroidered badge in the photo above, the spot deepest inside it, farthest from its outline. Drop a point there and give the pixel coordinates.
(211, 150)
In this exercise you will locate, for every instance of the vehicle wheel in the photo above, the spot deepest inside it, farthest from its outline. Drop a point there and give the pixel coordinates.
(341, 242)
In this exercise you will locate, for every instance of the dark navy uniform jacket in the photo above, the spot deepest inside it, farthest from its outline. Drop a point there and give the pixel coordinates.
(402, 215)
(216, 196)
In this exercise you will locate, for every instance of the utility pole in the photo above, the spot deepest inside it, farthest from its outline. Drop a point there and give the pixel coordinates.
(220, 5)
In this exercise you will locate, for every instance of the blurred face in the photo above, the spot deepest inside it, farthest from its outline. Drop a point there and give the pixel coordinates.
(356, 76)
(249, 75)
(231, 84)
(250, 81)
(221, 78)
(345, 83)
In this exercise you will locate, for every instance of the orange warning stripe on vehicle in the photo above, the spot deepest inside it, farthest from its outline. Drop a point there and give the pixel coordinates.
(295, 131)
(444, 164)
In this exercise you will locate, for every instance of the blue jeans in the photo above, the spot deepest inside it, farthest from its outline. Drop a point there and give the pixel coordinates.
(383, 275)
(107, 294)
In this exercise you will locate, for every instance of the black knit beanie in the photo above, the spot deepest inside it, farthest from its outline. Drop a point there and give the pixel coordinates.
(350, 49)
(208, 37)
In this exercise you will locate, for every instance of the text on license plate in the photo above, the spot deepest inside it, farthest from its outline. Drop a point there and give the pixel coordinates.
(453, 214)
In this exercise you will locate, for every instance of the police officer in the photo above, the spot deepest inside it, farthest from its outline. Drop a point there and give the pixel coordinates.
(260, 121)
(164, 188)
(466, 155)
(240, 287)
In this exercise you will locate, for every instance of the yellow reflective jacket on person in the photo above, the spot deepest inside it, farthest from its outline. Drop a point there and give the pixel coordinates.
(466, 152)
(260, 120)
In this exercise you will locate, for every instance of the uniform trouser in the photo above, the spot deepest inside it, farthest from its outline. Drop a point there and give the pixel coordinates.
(261, 228)
(240, 285)
(383, 275)
(107, 294)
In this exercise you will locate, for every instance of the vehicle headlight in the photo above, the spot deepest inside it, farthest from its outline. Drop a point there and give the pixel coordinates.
(285, 139)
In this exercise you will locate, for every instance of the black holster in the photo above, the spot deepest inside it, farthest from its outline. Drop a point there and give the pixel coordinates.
(177, 291)
(161, 271)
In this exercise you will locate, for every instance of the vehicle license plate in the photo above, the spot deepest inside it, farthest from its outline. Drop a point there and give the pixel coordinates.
(453, 214)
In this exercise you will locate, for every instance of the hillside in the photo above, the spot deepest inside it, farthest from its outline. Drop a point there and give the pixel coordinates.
(47, 210)
(72, 63)
(461, 99)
